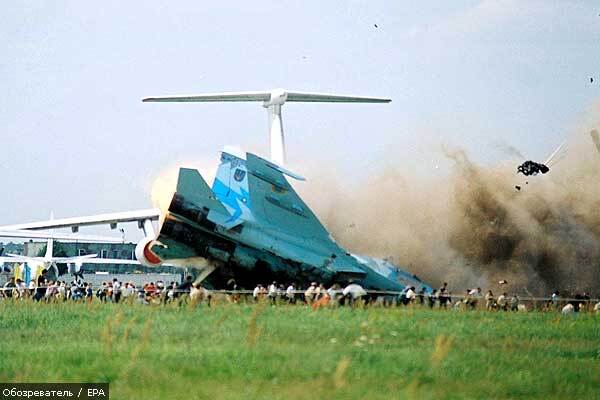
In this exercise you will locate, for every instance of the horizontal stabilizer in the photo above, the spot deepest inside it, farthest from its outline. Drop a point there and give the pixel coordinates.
(332, 98)
(268, 95)
(272, 100)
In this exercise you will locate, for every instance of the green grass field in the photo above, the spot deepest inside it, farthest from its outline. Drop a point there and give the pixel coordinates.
(233, 351)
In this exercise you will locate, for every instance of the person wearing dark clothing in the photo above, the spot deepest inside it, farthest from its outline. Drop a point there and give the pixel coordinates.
(184, 288)
(8, 288)
(431, 298)
(421, 296)
(443, 295)
(41, 286)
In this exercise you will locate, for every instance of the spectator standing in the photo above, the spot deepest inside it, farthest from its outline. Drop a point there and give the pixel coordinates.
(489, 300)
(184, 288)
(421, 295)
(334, 292)
(444, 295)
(555, 299)
(431, 299)
(116, 290)
(410, 295)
(273, 292)
(290, 293)
(40, 292)
(256, 292)
(473, 297)
(20, 290)
(9, 287)
(309, 295)
(502, 302)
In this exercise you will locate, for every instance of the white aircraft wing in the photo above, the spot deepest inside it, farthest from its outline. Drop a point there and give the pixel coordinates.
(74, 223)
(110, 261)
(16, 258)
(101, 261)
(75, 259)
(25, 234)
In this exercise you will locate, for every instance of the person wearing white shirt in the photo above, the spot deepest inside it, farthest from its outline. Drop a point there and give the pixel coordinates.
(256, 292)
(273, 292)
(290, 293)
(411, 295)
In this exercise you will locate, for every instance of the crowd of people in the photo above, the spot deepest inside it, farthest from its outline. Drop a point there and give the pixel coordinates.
(49, 290)
(316, 295)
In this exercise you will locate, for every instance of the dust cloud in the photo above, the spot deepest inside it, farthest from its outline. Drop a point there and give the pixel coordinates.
(472, 227)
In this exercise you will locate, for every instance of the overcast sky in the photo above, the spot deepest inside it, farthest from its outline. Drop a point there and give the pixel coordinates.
(77, 139)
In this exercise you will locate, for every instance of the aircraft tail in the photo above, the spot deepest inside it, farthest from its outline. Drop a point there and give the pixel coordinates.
(50, 242)
(194, 210)
(231, 186)
(49, 249)
(195, 200)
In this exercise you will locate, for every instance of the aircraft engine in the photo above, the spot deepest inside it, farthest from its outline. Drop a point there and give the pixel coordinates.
(145, 255)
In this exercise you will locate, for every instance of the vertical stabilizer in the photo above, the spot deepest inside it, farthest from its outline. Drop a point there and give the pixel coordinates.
(231, 187)
(50, 242)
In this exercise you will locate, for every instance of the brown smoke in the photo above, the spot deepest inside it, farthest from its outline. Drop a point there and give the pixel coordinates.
(472, 227)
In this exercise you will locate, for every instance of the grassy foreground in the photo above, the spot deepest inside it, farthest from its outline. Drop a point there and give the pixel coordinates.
(258, 351)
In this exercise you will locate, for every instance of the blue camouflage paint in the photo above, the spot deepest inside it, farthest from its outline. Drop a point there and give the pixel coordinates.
(231, 198)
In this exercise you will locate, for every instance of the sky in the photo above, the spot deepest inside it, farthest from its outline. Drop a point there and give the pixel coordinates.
(76, 138)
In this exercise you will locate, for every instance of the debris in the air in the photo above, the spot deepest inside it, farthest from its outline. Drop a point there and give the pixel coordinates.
(532, 168)
(375, 25)
(529, 167)
(591, 80)
(503, 282)
(596, 138)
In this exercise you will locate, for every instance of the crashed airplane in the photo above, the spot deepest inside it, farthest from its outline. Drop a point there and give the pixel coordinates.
(251, 226)
(255, 228)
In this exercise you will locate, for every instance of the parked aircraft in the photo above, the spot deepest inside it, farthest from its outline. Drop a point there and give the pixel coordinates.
(48, 261)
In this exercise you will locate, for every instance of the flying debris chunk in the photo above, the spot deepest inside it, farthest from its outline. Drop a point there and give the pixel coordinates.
(591, 80)
(529, 167)
(532, 168)
(503, 282)
(596, 138)
(375, 25)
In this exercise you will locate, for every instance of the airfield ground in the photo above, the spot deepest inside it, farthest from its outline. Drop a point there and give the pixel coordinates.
(289, 352)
